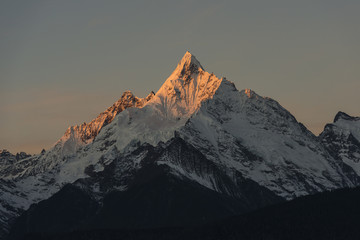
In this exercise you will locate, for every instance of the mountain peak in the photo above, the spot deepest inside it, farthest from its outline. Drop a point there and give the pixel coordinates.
(185, 89)
(187, 66)
(188, 59)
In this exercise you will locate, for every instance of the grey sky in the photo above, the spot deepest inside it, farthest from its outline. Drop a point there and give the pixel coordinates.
(63, 62)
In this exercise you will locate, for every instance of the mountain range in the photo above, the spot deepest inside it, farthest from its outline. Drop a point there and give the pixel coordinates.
(196, 151)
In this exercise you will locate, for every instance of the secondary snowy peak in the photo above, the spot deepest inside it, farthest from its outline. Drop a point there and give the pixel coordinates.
(347, 124)
(182, 93)
(342, 139)
(79, 135)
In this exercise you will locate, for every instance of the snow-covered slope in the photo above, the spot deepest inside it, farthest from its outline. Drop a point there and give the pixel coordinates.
(342, 139)
(264, 142)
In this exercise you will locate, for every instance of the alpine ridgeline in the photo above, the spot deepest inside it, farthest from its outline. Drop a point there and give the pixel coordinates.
(197, 140)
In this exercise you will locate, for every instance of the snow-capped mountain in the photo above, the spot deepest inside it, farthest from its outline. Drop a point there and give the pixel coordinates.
(197, 132)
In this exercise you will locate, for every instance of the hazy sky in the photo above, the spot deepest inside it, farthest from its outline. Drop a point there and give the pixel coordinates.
(64, 62)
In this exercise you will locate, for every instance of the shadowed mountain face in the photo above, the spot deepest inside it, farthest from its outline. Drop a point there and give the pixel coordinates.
(198, 150)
